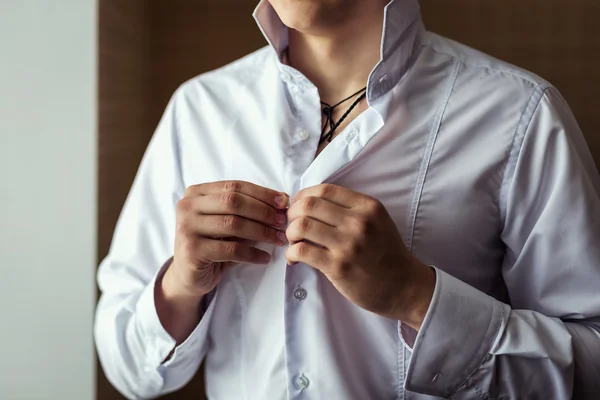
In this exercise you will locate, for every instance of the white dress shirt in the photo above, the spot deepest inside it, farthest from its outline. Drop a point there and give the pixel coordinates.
(487, 177)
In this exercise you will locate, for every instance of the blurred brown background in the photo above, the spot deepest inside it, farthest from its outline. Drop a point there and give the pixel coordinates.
(148, 48)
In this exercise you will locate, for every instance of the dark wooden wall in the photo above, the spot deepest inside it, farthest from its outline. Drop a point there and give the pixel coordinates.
(148, 48)
(125, 122)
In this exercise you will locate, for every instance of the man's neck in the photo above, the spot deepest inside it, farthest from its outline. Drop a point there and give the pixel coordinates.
(339, 61)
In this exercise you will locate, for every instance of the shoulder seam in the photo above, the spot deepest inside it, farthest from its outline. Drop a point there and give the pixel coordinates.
(509, 71)
(176, 136)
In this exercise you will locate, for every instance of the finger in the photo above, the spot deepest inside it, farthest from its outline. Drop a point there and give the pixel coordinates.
(305, 228)
(271, 197)
(247, 242)
(231, 251)
(240, 204)
(222, 226)
(309, 254)
(319, 209)
(336, 194)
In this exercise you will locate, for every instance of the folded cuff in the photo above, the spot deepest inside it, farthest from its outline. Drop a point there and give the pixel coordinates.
(159, 342)
(457, 334)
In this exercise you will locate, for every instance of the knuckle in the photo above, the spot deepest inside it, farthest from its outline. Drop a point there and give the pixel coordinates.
(232, 186)
(231, 249)
(190, 191)
(326, 190)
(232, 201)
(232, 222)
(309, 205)
(302, 249)
(267, 214)
(184, 205)
(374, 207)
(303, 225)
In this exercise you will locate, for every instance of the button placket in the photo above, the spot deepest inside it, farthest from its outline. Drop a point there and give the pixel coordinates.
(303, 136)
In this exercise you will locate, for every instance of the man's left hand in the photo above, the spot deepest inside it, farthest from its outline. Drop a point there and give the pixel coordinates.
(353, 241)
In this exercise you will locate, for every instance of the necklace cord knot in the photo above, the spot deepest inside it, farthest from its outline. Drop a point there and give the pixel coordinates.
(328, 113)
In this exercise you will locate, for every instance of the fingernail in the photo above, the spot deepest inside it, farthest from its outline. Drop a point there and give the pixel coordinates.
(280, 218)
(282, 237)
(281, 201)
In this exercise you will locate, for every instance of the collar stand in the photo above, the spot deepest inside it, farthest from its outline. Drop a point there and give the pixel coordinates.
(402, 27)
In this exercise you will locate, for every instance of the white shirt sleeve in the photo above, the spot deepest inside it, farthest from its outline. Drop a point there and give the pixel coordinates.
(546, 343)
(132, 343)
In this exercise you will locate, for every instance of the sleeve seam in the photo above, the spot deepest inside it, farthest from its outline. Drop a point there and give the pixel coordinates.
(177, 140)
(518, 139)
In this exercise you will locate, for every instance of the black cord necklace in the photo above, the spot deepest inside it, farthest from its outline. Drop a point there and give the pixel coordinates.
(328, 112)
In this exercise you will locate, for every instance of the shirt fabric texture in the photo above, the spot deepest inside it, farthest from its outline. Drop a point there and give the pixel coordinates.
(483, 169)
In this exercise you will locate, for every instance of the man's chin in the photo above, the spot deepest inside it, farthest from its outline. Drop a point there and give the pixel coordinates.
(308, 16)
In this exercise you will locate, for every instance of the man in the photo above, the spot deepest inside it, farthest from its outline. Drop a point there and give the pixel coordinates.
(440, 238)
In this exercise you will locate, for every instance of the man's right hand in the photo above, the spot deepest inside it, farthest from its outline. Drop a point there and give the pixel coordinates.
(217, 226)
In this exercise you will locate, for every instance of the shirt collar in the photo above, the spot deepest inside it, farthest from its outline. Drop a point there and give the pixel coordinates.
(402, 28)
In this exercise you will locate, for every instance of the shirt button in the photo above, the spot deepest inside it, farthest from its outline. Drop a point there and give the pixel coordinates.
(351, 135)
(300, 294)
(302, 382)
(303, 135)
(286, 76)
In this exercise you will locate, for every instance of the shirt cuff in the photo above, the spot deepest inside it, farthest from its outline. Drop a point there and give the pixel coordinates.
(458, 333)
(161, 342)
